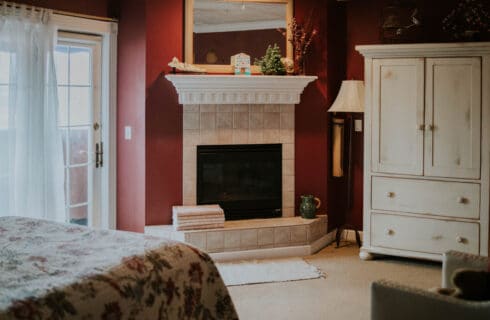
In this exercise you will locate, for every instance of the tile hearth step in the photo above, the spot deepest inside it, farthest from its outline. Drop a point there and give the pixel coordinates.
(253, 234)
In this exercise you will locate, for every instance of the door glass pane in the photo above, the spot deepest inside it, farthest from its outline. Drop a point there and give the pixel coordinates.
(79, 215)
(5, 67)
(63, 106)
(64, 133)
(78, 185)
(79, 137)
(80, 105)
(80, 66)
(4, 100)
(61, 62)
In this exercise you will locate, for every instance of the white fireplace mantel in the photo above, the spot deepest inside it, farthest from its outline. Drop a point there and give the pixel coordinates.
(231, 89)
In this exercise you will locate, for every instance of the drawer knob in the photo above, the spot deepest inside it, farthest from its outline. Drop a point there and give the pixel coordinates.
(390, 194)
(430, 127)
(389, 232)
(421, 127)
(462, 200)
(460, 239)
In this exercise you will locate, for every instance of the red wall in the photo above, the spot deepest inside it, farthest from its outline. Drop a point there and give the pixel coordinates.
(327, 61)
(103, 8)
(311, 114)
(131, 188)
(163, 182)
(164, 27)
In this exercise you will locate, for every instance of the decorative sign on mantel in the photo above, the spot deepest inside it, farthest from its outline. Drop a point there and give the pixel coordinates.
(241, 64)
(230, 89)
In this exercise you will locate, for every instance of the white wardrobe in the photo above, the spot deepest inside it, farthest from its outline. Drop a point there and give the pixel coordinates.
(427, 149)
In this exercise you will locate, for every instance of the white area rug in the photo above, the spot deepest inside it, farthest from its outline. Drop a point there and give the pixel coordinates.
(270, 270)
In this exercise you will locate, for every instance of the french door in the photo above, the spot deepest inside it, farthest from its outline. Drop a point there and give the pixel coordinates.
(78, 70)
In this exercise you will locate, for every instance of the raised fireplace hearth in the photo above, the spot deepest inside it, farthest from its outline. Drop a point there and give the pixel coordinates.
(224, 110)
(245, 180)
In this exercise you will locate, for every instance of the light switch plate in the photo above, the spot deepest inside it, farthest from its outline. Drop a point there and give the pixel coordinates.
(127, 133)
(358, 125)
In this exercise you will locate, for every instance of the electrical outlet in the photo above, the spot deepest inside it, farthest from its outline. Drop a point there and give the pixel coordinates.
(358, 125)
(127, 133)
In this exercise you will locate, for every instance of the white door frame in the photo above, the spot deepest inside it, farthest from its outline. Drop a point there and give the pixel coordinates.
(108, 32)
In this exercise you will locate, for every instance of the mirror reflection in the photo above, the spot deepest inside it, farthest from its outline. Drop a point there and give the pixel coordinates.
(224, 28)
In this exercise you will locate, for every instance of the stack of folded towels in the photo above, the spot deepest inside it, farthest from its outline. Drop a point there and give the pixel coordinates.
(198, 217)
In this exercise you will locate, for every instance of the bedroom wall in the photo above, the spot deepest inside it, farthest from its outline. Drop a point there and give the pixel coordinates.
(151, 33)
(164, 115)
(103, 8)
(131, 160)
(150, 165)
(164, 32)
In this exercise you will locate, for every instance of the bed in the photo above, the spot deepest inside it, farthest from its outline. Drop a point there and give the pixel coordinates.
(52, 270)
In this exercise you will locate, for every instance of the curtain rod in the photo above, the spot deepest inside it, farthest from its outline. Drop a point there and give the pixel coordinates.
(64, 13)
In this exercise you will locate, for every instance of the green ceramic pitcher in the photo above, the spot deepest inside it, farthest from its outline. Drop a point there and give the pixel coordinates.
(308, 207)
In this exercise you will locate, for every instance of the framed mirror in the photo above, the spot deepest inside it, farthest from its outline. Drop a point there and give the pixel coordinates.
(217, 29)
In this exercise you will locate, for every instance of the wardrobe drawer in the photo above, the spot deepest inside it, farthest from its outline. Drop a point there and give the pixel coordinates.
(423, 234)
(450, 199)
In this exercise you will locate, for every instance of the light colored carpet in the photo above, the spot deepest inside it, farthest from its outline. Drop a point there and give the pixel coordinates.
(267, 270)
(343, 294)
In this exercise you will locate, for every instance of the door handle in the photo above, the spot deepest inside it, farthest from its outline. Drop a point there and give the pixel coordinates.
(99, 155)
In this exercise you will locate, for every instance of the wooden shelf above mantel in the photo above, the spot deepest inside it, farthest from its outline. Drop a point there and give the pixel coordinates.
(231, 89)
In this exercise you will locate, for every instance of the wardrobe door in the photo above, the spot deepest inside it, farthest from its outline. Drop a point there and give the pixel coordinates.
(398, 116)
(453, 118)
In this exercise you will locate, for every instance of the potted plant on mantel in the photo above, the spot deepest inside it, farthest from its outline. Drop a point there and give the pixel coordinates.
(271, 63)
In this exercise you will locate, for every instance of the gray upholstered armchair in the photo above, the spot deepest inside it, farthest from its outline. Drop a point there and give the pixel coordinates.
(390, 300)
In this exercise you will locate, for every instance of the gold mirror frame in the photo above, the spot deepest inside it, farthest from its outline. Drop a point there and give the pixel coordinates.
(223, 68)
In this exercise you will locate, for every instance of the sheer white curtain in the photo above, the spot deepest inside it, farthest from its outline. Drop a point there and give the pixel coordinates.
(31, 153)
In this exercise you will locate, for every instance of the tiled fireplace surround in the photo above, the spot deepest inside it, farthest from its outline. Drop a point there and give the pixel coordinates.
(227, 124)
(232, 110)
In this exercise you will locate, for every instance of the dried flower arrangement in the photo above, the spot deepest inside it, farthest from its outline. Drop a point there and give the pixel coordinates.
(301, 38)
(467, 20)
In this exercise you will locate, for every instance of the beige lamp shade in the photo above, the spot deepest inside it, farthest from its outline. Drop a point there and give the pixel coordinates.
(350, 97)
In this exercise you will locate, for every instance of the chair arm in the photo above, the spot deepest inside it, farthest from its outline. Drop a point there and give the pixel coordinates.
(390, 300)
(453, 260)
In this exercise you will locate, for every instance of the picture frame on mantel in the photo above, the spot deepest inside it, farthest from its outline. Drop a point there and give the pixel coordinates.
(228, 68)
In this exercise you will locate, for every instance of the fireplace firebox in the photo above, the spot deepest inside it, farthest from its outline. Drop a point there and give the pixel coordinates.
(245, 180)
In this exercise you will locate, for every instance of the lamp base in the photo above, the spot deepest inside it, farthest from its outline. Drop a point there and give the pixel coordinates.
(341, 229)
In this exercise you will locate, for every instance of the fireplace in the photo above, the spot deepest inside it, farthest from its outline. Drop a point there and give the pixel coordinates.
(245, 180)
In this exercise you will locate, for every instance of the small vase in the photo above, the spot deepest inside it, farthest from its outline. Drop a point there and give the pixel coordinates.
(308, 207)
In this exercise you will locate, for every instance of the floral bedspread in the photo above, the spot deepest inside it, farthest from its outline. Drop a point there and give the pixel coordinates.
(50, 270)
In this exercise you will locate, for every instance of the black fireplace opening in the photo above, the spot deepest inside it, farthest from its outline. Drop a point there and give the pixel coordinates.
(245, 180)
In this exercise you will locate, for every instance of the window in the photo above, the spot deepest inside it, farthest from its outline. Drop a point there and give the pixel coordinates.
(85, 59)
